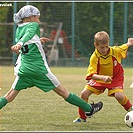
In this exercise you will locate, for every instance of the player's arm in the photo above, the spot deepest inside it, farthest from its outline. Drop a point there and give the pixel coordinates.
(16, 48)
(92, 70)
(130, 42)
(101, 77)
(43, 40)
(30, 32)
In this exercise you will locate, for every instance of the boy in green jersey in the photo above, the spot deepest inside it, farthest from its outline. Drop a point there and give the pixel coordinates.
(31, 68)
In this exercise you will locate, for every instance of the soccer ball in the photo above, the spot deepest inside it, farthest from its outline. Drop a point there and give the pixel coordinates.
(129, 119)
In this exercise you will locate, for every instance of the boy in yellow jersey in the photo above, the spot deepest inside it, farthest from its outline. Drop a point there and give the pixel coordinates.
(105, 72)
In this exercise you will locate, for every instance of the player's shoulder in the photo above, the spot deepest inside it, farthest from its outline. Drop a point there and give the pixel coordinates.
(34, 23)
(94, 56)
(122, 46)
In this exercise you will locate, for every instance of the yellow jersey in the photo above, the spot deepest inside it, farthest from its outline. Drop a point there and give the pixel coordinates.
(109, 65)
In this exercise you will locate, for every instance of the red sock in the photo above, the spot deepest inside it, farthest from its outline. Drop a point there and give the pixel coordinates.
(82, 114)
(127, 106)
(126, 103)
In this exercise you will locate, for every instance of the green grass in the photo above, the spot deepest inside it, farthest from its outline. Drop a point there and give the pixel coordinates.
(34, 110)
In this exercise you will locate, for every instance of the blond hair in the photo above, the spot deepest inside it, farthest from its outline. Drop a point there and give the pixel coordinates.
(101, 37)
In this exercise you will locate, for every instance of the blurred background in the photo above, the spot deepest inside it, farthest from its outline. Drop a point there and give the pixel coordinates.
(70, 26)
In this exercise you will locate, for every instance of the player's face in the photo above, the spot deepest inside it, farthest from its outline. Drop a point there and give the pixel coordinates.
(35, 19)
(103, 49)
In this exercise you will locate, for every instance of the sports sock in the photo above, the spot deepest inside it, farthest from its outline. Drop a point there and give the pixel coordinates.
(82, 114)
(75, 100)
(126, 103)
(3, 102)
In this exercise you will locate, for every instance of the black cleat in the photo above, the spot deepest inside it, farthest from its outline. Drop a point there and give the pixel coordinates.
(95, 108)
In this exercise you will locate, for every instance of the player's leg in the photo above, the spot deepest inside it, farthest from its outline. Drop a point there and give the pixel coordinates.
(85, 96)
(75, 100)
(10, 95)
(50, 82)
(72, 98)
(121, 98)
(18, 84)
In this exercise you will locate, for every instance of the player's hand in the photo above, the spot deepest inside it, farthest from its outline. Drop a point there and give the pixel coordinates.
(106, 78)
(130, 42)
(43, 40)
(16, 48)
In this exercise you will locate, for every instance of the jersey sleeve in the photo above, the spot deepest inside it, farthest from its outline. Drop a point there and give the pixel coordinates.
(122, 50)
(30, 32)
(92, 68)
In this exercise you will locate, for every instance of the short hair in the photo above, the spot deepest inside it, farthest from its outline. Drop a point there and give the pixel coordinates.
(101, 37)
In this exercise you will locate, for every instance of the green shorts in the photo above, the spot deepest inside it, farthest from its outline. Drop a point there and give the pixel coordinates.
(44, 82)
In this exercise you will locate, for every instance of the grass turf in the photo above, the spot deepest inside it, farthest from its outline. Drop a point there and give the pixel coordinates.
(34, 110)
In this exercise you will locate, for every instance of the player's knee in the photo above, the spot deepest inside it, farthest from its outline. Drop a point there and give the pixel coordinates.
(119, 96)
(83, 95)
(60, 90)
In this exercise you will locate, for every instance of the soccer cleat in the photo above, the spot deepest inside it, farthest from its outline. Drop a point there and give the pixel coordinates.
(95, 108)
(79, 120)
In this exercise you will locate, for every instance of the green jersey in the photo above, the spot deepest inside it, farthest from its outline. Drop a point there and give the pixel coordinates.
(32, 58)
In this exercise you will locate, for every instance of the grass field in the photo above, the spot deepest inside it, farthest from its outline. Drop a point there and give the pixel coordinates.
(34, 110)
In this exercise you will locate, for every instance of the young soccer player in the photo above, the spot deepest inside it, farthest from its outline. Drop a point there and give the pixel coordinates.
(31, 68)
(105, 72)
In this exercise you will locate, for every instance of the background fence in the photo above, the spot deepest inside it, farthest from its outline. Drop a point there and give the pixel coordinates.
(80, 21)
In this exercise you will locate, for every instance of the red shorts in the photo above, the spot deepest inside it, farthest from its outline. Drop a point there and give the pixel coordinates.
(97, 88)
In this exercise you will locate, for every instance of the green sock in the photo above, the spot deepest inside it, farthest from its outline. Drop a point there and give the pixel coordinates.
(3, 102)
(75, 100)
